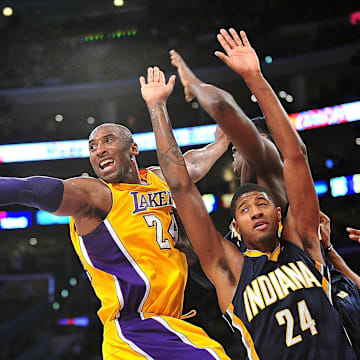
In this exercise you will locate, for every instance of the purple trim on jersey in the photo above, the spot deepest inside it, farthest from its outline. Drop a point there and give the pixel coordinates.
(160, 343)
(106, 255)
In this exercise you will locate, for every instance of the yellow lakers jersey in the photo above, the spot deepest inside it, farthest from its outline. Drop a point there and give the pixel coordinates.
(130, 258)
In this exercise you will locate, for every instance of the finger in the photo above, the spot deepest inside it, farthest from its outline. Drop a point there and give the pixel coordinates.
(156, 74)
(355, 238)
(223, 43)
(353, 231)
(228, 38)
(172, 80)
(244, 38)
(162, 77)
(236, 37)
(188, 96)
(142, 81)
(150, 74)
(221, 56)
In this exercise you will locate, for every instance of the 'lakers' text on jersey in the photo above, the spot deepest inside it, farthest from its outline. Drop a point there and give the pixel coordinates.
(140, 277)
(282, 310)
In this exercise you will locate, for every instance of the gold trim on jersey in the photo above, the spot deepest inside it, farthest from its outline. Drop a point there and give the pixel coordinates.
(246, 337)
(273, 256)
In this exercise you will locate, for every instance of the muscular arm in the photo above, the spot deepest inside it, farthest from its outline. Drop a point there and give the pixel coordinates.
(80, 198)
(258, 152)
(212, 249)
(304, 206)
(200, 161)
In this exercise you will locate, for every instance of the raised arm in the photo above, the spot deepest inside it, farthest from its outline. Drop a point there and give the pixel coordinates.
(258, 152)
(331, 254)
(213, 251)
(200, 161)
(304, 206)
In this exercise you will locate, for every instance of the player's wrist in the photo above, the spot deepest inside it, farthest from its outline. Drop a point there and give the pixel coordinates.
(329, 248)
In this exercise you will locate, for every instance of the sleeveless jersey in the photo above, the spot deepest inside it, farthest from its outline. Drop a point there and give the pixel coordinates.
(282, 310)
(130, 259)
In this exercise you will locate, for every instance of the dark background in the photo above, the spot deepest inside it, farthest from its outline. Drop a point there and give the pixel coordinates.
(83, 58)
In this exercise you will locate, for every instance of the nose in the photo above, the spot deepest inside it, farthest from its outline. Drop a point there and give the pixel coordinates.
(256, 213)
(100, 150)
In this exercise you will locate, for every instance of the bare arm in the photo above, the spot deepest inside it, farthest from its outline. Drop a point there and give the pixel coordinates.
(212, 249)
(331, 254)
(258, 152)
(200, 161)
(86, 199)
(241, 57)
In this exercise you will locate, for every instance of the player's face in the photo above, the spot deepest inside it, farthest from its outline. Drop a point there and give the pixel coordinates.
(237, 163)
(256, 219)
(110, 154)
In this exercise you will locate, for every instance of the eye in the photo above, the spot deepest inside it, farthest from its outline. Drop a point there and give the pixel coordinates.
(108, 140)
(243, 210)
(92, 147)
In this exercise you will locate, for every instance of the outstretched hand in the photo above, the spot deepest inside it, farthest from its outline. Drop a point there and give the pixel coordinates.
(156, 89)
(240, 56)
(354, 234)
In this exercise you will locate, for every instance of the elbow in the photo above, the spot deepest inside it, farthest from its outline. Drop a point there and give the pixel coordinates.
(179, 185)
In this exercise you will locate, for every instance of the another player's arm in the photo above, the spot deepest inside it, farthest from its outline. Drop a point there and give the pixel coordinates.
(304, 206)
(200, 161)
(258, 152)
(331, 254)
(220, 260)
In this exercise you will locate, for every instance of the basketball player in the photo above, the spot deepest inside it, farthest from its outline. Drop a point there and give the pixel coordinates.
(256, 159)
(123, 230)
(273, 294)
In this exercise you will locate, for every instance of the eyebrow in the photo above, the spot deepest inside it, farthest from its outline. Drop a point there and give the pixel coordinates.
(103, 137)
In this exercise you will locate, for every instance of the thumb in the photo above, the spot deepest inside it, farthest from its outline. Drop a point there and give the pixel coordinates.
(222, 56)
(172, 80)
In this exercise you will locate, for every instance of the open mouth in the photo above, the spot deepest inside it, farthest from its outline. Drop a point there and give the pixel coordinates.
(106, 164)
(260, 226)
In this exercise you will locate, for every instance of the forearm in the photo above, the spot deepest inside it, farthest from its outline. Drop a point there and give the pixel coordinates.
(284, 134)
(339, 264)
(41, 192)
(200, 161)
(169, 155)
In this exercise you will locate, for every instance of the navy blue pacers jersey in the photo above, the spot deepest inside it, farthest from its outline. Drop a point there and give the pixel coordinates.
(282, 310)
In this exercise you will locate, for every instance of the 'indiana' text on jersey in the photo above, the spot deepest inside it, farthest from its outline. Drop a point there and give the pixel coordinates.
(267, 289)
(282, 310)
(150, 200)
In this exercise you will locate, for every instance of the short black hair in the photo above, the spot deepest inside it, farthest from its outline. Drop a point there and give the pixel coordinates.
(246, 188)
(260, 123)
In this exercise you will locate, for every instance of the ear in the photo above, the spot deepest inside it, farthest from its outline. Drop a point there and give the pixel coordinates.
(235, 226)
(278, 213)
(134, 150)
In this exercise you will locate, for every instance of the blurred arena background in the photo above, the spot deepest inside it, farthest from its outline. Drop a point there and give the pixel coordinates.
(67, 66)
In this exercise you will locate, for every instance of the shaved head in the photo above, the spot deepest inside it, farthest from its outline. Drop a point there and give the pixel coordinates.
(121, 131)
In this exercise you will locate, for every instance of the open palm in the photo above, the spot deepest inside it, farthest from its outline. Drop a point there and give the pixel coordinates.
(240, 56)
(155, 89)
